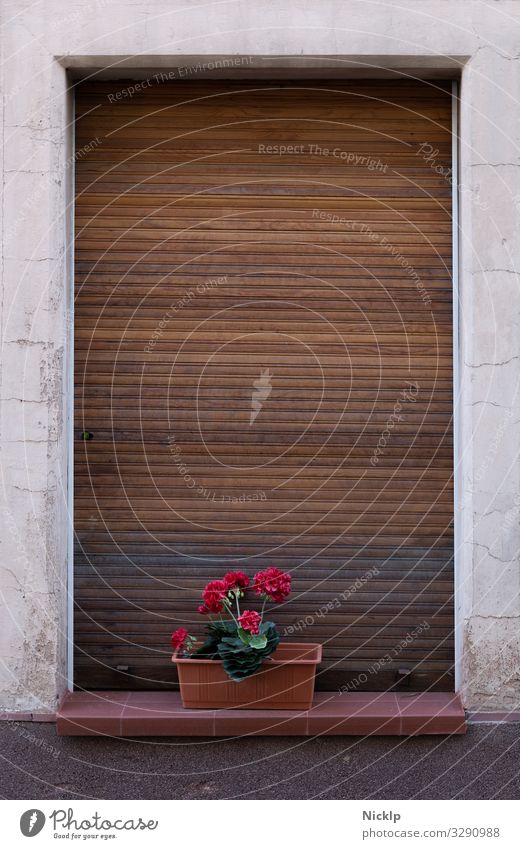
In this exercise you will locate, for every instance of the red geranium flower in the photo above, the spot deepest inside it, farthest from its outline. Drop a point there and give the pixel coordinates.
(236, 580)
(179, 638)
(213, 595)
(250, 621)
(273, 583)
(202, 609)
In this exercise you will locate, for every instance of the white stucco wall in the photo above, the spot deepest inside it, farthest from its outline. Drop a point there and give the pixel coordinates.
(40, 40)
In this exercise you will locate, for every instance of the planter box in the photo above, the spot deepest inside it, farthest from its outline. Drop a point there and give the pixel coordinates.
(285, 681)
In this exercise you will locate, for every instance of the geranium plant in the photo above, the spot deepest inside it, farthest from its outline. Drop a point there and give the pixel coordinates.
(240, 638)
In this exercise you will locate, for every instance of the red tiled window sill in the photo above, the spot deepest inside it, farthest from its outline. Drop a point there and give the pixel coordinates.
(154, 714)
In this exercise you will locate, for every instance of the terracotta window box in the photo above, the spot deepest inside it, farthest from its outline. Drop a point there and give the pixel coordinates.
(284, 682)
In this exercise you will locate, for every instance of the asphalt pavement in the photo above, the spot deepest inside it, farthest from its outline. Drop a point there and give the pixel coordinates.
(37, 764)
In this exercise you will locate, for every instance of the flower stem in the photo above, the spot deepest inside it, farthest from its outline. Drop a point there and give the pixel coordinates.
(228, 608)
(263, 608)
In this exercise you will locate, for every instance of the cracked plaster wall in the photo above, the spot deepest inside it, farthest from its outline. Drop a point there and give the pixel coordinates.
(38, 43)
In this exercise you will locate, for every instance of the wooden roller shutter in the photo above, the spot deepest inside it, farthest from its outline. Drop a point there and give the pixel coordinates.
(263, 344)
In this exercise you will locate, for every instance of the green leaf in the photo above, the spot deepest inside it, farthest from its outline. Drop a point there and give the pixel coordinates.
(245, 636)
(216, 630)
(240, 660)
(258, 641)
